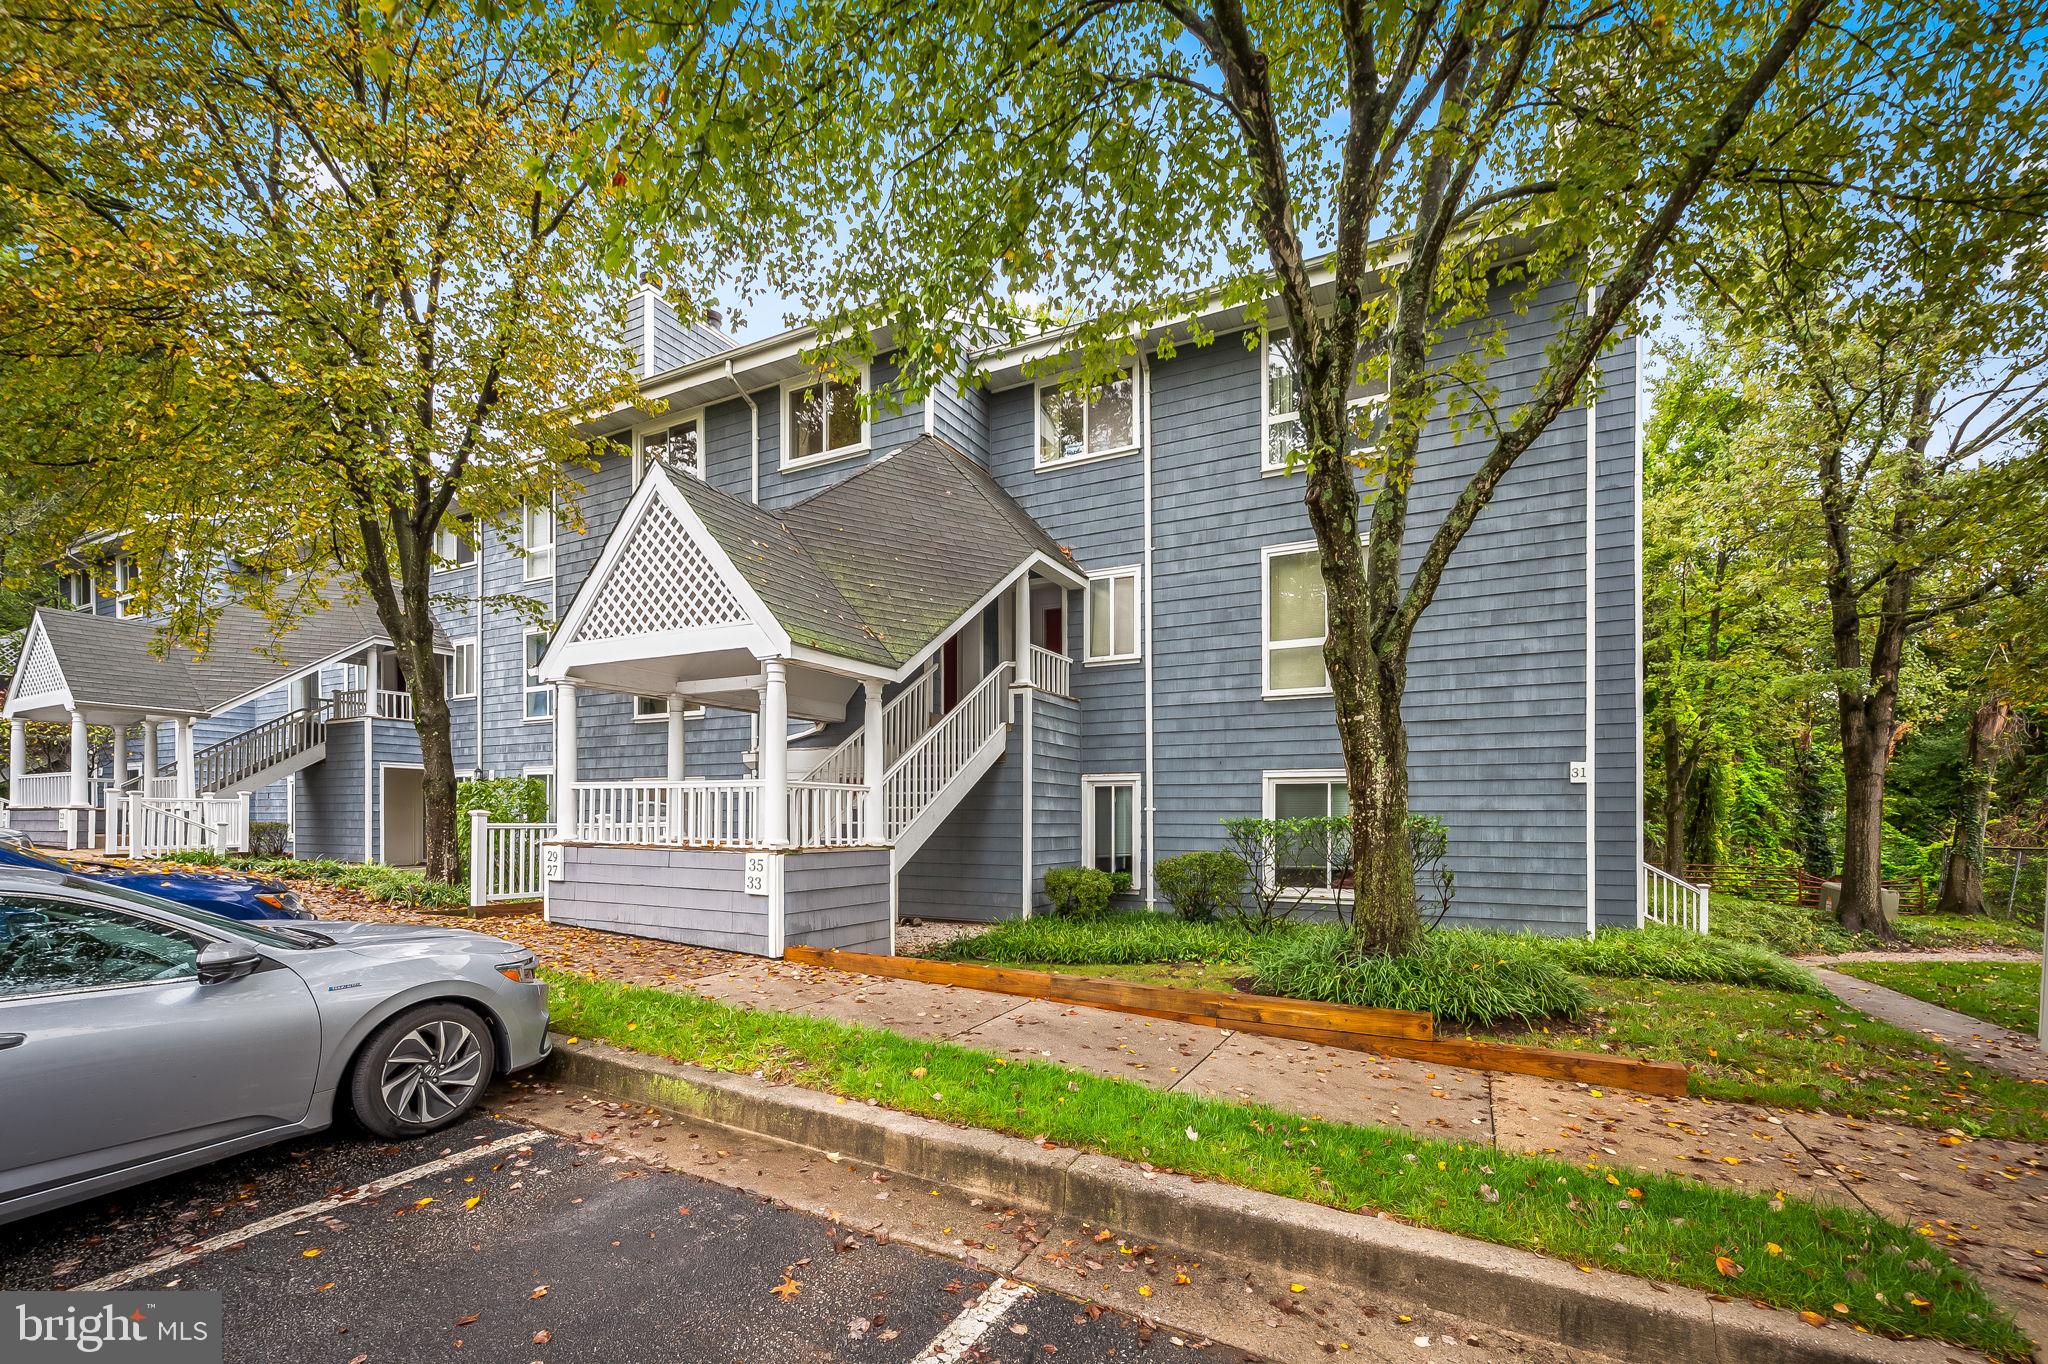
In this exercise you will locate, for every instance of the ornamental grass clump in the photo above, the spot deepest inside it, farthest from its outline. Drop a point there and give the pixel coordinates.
(1461, 976)
(1676, 955)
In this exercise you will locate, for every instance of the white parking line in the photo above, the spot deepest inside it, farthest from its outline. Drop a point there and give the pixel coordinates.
(123, 1277)
(971, 1325)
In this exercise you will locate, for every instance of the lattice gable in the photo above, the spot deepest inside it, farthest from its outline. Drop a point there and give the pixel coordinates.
(661, 580)
(39, 672)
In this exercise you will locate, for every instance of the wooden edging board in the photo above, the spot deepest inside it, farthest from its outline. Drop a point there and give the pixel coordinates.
(1388, 1032)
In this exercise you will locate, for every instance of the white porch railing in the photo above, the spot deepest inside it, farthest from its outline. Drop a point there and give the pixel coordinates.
(1051, 672)
(905, 720)
(42, 791)
(385, 705)
(162, 788)
(216, 824)
(1673, 903)
(505, 860)
(915, 781)
(708, 813)
(827, 815)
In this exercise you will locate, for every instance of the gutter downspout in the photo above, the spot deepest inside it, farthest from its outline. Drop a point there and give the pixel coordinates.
(753, 434)
(1592, 643)
(1151, 857)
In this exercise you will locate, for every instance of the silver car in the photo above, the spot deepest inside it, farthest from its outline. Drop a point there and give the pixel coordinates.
(139, 1037)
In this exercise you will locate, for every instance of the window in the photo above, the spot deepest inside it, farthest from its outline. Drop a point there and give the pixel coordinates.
(124, 584)
(1283, 438)
(455, 541)
(537, 538)
(78, 589)
(1112, 616)
(546, 777)
(678, 448)
(462, 670)
(1295, 622)
(824, 421)
(1109, 824)
(540, 697)
(53, 946)
(1310, 795)
(1076, 424)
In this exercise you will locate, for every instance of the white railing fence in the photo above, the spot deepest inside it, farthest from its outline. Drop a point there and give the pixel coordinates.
(1673, 903)
(827, 815)
(216, 824)
(709, 813)
(915, 781)
(384, 705)
(1051, 672)
(905, 720)
(272, 742)
(506, 861)
(161, 788)
(42, 791)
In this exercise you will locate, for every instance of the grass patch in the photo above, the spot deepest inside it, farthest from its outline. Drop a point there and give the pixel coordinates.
(1967, 930)
(1799, 1051)
(1459, 974)
(1654, 1226)
(2001, 992)
(1676, 955)
(392, 885)
(1108, 940)
(1802, 930)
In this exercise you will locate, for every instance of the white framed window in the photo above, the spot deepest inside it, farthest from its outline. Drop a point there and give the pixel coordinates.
(1281, 440)
(1294, 620)
(78, 589)
(677, 446)
(546, 777)
(1312, 794)
(1076, 423)
(537, 538)
(124, 584)
(455, 541)
(1110, 616)
(1109, 824)
(822, 420)
(540, 697)
(462, 670)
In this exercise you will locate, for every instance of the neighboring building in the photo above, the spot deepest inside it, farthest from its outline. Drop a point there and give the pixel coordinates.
(1088, 628)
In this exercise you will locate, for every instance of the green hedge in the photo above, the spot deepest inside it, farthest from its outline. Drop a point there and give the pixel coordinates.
(392, 885)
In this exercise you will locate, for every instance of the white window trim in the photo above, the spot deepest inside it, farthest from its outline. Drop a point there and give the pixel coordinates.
(84, 580)
(531, 553)
(1270, 781)
(834, 454)
(546, 772)
(475, 670)
(1268, 553)
(1139, 397)
(449, 542)
(124, 584)
(527, 688)
(1268, 419)
(1136, 574)
(1089, 784)
(666, 424)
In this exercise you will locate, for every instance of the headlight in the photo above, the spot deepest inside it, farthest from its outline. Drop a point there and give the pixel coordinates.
(519, 972)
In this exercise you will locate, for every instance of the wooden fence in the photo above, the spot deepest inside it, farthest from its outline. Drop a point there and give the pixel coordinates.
(1789, 885)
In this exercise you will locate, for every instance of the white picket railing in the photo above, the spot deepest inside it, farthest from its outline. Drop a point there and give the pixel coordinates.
(1051, 672)
(384, 705)
(707, 813)
(1671, 902)
(42, 791)
(916, 780)
(161, 788)
(216, 824)
(905, 720)
(827, 815)
(506, 861)
(247, 754)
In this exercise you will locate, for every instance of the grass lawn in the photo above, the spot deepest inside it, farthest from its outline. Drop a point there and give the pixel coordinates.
(1801, 930)
(2005, 993)
(1967, 930)
(1798, 1051)
(1780, 1251)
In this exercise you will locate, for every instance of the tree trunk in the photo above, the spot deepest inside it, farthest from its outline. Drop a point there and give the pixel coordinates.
(1866, 754)
(1384, 917)
(1962, 879)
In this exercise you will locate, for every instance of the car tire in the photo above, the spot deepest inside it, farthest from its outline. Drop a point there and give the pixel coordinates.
(422, 1070)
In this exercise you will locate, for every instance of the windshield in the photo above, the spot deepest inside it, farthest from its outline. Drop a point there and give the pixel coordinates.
(269, 934)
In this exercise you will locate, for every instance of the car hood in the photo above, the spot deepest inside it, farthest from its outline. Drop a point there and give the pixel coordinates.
(414, 936)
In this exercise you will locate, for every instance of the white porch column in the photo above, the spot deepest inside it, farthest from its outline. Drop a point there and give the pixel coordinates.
(80, 757)
(150, 762)
(874, 760)
(120, 756)
(1021, 629)
(565, 753)
(677, 707)
(775, 753)
(17, 757)
(183, 755)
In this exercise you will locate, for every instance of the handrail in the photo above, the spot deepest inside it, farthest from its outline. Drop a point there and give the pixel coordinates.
(386, 705)
(1672, 902)
(1051, 671)
(905, 719)
(914, 781)
(274, 741)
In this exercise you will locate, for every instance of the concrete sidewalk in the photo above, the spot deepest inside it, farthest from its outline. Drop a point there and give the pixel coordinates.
(1985, 1201)
(1987, 1043)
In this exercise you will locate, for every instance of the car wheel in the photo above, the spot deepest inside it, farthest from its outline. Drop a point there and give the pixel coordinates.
(422, 1070)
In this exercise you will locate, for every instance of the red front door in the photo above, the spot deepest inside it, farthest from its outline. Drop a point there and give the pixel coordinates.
(1055, 630)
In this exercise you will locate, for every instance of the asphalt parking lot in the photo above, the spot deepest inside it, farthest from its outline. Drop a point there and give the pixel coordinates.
(498, 1242)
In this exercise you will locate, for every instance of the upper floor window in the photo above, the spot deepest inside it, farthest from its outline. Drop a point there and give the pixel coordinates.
(678, 447)
(822, 420)
(1295, 622)
(1077, 423)
(1283, 443)
(462, 670)
(537, 538)
(455, 541)
(1112, 616)
(540, 697)
(78, 589)
(124, 585)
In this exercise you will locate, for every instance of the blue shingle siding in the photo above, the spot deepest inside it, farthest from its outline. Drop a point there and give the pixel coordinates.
(395, 744)
(1618, 763)
(837, 899)
(511, 743)
(1055, 791)
(329, 807)
(969, 868)
(961, 416)
(681, 895)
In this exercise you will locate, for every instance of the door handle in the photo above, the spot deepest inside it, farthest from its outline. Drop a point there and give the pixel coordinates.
(12, 1039)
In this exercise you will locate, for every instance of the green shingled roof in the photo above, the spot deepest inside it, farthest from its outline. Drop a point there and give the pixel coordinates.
(877, 566)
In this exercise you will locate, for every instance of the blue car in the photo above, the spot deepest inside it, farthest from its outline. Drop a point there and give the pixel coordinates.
(238, 897)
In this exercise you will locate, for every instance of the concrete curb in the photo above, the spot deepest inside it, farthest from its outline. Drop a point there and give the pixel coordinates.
(1500, 1286)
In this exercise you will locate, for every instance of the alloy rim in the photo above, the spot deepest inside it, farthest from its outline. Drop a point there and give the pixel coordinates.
(432, 1072)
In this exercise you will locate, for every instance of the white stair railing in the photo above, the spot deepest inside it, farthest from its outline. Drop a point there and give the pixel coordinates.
(266, 745)
(827, 815)
(1671, 902)
(1051, 672)
(506, 861)
(905, 720)
(917, 778)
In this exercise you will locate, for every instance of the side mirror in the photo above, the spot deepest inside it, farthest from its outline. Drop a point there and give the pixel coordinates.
(224, 961)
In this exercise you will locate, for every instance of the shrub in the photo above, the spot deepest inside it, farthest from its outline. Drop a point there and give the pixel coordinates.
(394, 885)
(1080, 891)
(1676, 955)
(1794, 930)
(1462, 976)
(1120, 883)
(267, 837)
(1285, 861)
(1429, 843)
(1202, 885)
(510, 800)
(1132, 937)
